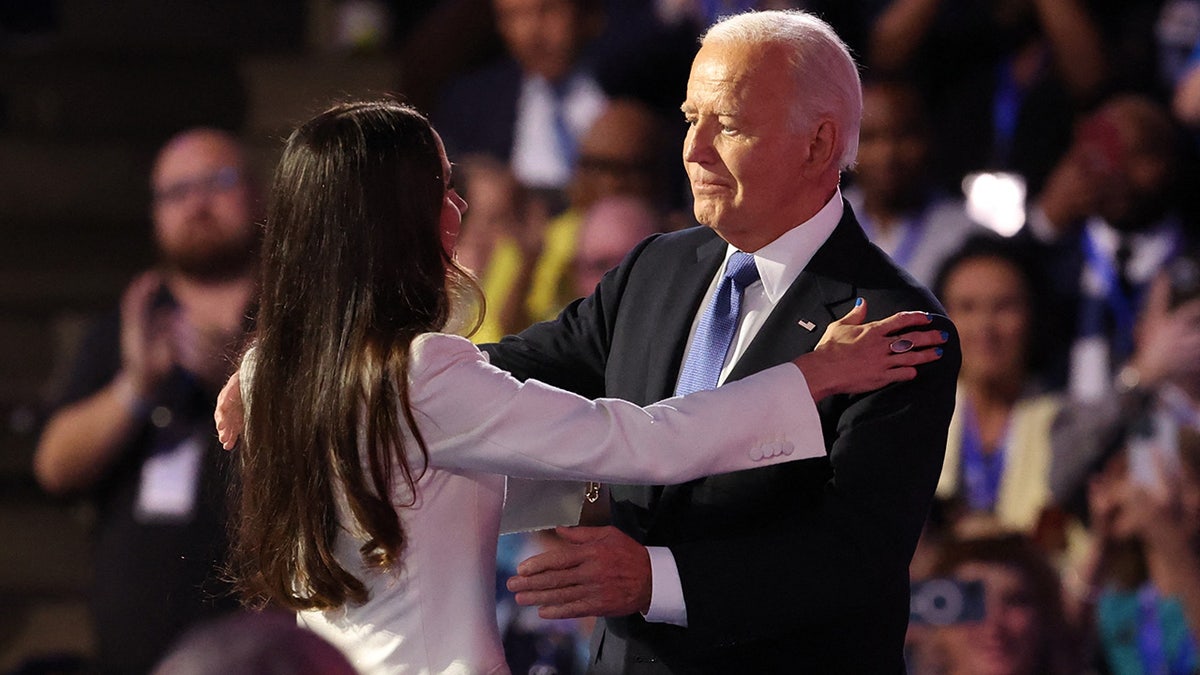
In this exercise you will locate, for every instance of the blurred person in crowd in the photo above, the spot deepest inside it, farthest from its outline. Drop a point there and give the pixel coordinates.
(999, 449)
(766, 571)
(893, 193)
(1104, 225)
(1130, 461)
(1138, 591)
(530, 109)
(369, 495)
(610, 230)
(1163, 374)
(1023, 630)
(253, 643)
(520, 252)
(1003, 79)
(1180, 31)
(133, 431)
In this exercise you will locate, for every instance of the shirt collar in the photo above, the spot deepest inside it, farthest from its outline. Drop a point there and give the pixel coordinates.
(781, 261)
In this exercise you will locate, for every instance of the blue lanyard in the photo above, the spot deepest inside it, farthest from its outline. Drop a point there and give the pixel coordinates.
(1152, 650)
(567, 144)
(1006, 109)
(914, 232)
(981, 472)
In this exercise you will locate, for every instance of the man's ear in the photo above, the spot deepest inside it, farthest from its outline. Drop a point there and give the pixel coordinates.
(821, 149)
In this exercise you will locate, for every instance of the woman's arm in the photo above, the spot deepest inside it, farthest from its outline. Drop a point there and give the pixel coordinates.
(475, 416)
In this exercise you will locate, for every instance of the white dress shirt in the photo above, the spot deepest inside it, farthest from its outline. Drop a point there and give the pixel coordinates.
(779, 263)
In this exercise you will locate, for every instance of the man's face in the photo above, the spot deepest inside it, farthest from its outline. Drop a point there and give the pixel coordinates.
(893, 147)
(617, 156)
(542, 35)
(203, 209)
(743, 158)
(1130, 175)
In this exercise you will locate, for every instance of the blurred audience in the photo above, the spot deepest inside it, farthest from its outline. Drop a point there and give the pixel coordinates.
(134, 430)
(1023, 630)
(1106, 222)
(520, 252)
(1138, 592)
(1164, 372)
(1003, 78)
(253, 643)
(998, 451)
(893, 193)
(529, 109)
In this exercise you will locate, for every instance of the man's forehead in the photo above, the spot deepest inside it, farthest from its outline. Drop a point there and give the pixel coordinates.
(723, 75)
(197, 148)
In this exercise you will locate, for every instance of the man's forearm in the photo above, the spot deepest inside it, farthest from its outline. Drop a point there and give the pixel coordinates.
(84, 438)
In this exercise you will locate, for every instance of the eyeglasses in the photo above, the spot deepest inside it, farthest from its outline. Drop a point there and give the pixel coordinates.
(222, 180)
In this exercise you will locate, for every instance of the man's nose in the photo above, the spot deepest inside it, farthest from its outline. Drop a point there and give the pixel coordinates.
(697, 147)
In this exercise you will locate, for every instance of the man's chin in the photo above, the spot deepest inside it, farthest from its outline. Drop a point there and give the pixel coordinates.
(211, 266)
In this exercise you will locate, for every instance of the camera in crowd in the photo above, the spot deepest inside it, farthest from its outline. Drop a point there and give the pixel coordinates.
(943, 602)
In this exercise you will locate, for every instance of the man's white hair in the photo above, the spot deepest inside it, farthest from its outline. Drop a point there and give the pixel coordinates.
(826, 79)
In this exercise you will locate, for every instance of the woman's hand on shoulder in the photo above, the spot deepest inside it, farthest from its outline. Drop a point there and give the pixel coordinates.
(854, 357)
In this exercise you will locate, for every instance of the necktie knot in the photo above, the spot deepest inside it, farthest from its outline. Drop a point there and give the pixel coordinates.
(741, 269)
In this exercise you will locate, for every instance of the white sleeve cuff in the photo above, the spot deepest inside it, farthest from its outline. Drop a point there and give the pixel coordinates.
(666, 592)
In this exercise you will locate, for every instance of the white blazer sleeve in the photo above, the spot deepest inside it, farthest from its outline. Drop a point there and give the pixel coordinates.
(476, 416)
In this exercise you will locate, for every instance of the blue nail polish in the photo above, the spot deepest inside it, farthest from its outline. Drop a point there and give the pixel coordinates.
(928, 316)
(945, 335)
(857, 302)
(938, 351)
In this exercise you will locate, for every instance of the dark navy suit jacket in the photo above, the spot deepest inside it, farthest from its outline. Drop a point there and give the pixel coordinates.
(801, 567)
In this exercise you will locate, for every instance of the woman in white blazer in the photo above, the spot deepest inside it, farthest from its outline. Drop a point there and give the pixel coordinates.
(370, 478)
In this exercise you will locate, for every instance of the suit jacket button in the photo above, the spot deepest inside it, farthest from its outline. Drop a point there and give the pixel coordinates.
(788, 447)
(756, 453)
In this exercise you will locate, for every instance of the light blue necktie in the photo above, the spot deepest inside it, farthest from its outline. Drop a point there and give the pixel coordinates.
(704, 360)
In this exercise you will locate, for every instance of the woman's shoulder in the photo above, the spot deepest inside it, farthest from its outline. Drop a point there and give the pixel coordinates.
(434, 350)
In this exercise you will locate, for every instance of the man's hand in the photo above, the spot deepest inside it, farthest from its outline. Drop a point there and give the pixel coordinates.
(1168, 340)
(230, 413)
(599, 571)
(1071, 190)
(148, 335)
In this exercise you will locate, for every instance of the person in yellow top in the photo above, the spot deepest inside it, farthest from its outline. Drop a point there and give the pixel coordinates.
(521, 252)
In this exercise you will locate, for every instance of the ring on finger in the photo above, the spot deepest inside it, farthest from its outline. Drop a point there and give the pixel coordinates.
(900, 345)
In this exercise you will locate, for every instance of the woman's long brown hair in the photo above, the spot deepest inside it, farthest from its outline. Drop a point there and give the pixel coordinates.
(353, 270)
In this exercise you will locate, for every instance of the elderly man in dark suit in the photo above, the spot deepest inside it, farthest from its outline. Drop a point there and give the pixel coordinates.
(798, 568)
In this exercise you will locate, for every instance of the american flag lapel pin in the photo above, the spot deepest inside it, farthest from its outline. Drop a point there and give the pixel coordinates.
(806, 325)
